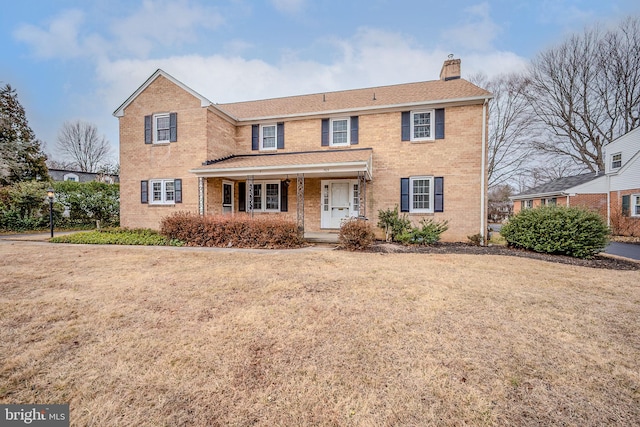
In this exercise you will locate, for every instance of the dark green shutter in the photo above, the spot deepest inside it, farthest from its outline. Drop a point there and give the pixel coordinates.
(173, 127)
(626, 205)
(177, 187)
(144, 191)
(325, 133)
(406, 126)
(148, 139)
(354, 130)
(280, 131)
(440, 123)
(284, 196)
(438, 199)
(242, 196)
(255, 137)
(404, 194)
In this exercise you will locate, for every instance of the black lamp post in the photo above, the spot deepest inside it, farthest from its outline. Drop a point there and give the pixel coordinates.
(50, 194)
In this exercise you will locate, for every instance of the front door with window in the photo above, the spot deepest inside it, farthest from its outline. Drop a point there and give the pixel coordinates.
(340, 200)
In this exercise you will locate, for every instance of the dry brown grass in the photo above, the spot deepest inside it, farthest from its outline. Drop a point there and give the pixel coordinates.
(157, 336)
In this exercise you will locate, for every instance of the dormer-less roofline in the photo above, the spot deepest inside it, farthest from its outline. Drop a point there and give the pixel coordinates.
(204, 102)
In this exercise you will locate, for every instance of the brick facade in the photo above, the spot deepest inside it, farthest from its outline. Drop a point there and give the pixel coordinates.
(205, 134)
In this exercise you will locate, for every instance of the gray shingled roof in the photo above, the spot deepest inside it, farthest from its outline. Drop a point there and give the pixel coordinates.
(559, 185)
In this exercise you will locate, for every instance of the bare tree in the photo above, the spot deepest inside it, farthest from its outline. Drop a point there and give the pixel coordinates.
(585, 91)
(80, 143)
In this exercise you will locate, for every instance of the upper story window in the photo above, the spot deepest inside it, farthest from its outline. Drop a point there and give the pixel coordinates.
(268, 137)
(339, 131)
(161, 128)
(616, 161)
(422, 125)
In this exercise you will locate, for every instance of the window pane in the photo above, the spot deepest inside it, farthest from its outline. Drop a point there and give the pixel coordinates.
(356, 198)
(340, 132)
(257, 196)
(162, 128)
(157, 191)
(169, 191)
(269, 137)
(422, 125)
(273, 196)
(226, 197)
(421, 194)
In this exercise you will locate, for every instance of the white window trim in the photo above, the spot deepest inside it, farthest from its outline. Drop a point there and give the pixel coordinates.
(339, 119)
(635, 200)
(612, 157)
(71, 177)
(155, 128)
(432, 117)
(232, 195)
(164, 200)
(275, 147)
(263, 196)
(431, 194)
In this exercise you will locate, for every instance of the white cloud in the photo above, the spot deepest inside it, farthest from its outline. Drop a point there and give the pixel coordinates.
(162, 23)
(289, 6)
(58, 40)
(477, 32)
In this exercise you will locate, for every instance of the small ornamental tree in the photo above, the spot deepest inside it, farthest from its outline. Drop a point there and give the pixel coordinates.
(573, 231)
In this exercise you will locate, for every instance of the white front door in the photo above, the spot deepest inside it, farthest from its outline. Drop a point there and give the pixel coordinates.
(339, 201)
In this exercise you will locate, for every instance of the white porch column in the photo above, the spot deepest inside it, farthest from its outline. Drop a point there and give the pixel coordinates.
(250, 195)
(201, 195)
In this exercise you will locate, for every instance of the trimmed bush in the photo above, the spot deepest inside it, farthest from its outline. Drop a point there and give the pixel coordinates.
(573, 231)
(241, 231)
(117, 236)
(427, 234)
(356, 234)
(393, 223)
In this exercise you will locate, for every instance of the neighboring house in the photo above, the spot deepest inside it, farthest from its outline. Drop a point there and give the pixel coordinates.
(315, 159)
(615, 194)
(67, 175)
(500, 211)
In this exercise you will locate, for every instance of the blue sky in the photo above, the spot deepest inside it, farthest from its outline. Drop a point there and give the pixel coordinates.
(79, 59)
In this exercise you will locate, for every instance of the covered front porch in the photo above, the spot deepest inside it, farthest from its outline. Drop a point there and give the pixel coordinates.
(317, 189)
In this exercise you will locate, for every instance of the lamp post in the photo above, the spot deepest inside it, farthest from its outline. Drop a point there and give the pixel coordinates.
(50, 194)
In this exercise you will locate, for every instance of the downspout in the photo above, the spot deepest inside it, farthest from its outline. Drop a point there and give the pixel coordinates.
(608, 201)
(483, 174)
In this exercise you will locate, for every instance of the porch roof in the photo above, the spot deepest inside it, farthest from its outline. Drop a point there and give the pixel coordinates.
(325, 163)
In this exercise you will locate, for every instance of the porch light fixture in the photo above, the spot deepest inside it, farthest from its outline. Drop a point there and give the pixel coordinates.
(50, 195)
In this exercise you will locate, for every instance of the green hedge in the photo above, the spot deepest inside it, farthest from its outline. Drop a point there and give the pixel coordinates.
(573, 231)
(118, 237)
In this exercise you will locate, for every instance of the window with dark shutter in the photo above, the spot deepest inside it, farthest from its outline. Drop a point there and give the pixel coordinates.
(438, 201)
(406, 126)
(242, 196)
(284, 196)
(144, 191)
(255, 137)
(404, 194)
(440, 123)
(173, 127)
(354, 130)
(325, 133)
(177, 186)
(280, 136)
(626, 205)
(148, 132)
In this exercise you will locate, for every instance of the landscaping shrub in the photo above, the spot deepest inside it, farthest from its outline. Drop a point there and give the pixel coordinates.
(573, 231)
(356, 234)
(117, 236)
(242, 231)
(476, 239)
(427, 234)
(24, 206)
(393, 223)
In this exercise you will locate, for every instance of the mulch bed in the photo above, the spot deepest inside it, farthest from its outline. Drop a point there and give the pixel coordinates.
(599, 261)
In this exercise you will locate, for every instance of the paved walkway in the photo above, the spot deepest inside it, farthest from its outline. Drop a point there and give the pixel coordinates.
(625, 250)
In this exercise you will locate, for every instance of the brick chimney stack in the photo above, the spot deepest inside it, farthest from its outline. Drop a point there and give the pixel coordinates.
(450, 69)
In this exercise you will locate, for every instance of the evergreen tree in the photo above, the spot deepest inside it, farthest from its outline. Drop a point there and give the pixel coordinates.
(21, 156)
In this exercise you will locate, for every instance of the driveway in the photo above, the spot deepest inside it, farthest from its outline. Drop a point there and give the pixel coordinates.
(627, 250)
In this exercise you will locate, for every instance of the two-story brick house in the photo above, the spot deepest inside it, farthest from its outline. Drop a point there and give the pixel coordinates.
(313, 158)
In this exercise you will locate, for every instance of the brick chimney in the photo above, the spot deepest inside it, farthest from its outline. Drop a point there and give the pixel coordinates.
(450, 69)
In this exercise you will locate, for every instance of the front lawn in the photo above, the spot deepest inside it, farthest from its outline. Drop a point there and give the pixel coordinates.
(187, 336)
